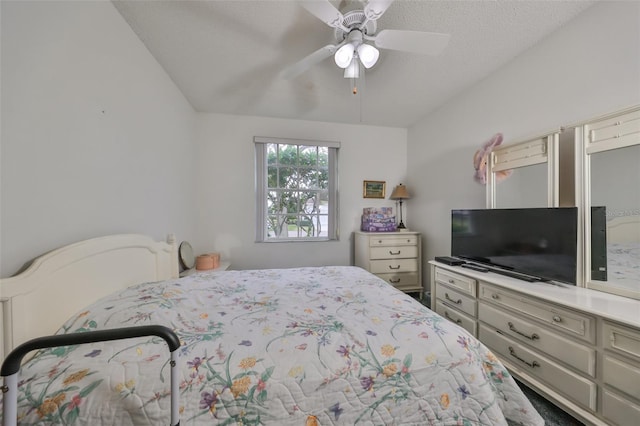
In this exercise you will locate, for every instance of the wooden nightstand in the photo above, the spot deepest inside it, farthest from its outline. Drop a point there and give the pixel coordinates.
(223, 267)
(393, 256)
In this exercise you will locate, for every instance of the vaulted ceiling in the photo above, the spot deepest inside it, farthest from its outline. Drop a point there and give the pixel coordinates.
(227, 56)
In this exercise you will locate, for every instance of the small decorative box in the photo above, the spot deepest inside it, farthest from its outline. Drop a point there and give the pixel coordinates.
(377, 211)
(216, 259)
(208, 261)
(204, 262)
(376, 224)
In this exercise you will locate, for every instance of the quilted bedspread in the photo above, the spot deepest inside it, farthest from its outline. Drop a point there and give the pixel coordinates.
(305, 346)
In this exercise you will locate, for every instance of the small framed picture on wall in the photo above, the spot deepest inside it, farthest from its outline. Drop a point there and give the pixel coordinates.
(373, 188)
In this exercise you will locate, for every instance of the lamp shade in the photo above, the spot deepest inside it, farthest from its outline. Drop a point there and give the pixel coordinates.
(400, 193)
(344, 55)
(368, 55)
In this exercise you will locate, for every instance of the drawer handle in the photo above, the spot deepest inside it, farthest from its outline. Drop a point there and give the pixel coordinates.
(494, 296)
(394, 253)
(391, 267)
(457, 302)
(452, 281)
(534, 336)
(457, 321)
(392, 281)
(556, 318)
(533, 364)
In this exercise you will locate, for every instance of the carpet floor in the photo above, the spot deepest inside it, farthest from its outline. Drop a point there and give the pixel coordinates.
(552, 415)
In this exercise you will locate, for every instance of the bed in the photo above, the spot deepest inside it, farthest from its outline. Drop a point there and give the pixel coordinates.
(299, 346)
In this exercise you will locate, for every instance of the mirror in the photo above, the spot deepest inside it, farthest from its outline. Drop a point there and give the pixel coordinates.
(615, 244)
(520, 175)
(525, 187)
(186, 256)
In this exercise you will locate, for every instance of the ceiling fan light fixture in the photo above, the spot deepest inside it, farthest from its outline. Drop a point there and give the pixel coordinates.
(368, 55)
(353, 70)
(344, 55)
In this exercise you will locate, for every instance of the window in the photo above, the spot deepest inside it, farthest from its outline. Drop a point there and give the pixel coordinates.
(296, 190)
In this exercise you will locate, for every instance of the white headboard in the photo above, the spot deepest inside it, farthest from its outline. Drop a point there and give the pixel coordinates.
(625, 229)
(58, 284)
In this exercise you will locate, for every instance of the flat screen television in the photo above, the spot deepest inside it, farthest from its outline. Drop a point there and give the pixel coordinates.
(538, 242)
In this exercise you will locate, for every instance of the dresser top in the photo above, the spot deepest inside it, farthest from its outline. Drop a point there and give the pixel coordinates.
(609, 306)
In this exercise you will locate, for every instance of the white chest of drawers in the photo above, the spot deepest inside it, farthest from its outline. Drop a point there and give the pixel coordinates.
(393, 256)
(579, 348)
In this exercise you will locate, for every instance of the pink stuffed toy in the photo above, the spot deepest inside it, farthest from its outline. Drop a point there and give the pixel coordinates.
(481, 157)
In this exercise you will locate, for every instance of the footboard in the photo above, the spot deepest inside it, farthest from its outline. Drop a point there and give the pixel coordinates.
(11, 365)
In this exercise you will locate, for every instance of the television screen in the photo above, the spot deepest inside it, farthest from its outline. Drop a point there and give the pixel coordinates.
(540, 242)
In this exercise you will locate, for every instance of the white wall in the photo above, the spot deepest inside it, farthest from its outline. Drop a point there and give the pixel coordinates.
(226, 186)
(96, 139)
(586, 69)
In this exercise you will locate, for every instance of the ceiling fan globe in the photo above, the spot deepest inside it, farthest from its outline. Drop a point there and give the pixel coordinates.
(368, 55)
(344, 55)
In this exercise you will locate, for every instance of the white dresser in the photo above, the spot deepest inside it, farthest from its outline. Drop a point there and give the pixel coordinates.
(578, 347)
(393, 256)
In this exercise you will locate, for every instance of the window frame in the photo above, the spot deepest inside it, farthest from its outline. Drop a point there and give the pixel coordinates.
(261, 188)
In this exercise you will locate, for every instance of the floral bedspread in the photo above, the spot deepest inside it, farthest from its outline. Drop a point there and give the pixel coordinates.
(305, 346)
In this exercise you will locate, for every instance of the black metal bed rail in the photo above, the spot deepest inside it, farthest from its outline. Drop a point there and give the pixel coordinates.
(11, 364)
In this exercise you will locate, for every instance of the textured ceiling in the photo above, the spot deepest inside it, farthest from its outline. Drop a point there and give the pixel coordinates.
(227, 56)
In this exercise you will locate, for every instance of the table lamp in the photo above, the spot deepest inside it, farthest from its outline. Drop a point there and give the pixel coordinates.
(400, 193)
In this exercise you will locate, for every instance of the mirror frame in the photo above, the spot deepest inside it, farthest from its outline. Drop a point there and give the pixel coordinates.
(591, 143)
(186, 256)
(541, 150)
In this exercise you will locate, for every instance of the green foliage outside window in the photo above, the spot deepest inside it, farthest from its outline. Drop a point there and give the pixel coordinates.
(297, 190)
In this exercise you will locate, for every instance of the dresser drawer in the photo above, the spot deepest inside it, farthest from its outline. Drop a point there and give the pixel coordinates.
(621, 339)
(577, 355)
(573, 386)
(456, 299)
(577, 324)
(393, 265)
(457, 317)
(465, 284)
(401, 279)
(393, 241)
(618, 410)
(392, 256)
(622, 375)
(398, 252)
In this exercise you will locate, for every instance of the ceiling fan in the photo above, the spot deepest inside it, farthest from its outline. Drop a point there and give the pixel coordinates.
(357, 38)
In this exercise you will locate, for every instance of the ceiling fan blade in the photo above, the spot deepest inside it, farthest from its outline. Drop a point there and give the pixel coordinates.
(412, 41)
(294, 70)
(375, 8)
(326, 12)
